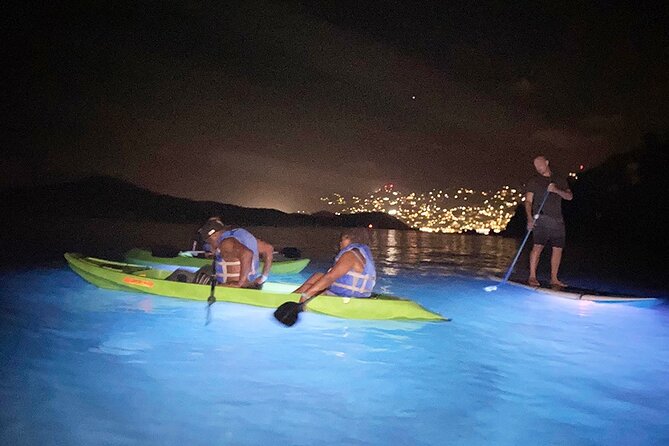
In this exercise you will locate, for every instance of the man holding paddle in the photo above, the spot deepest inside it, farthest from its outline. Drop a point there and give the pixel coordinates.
(352, 275)
(546, 223)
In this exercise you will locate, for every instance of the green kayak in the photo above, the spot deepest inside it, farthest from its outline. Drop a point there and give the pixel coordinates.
(185, 260)
(144, 279)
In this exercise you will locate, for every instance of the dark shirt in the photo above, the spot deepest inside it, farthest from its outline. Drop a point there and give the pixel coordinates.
(538, 185)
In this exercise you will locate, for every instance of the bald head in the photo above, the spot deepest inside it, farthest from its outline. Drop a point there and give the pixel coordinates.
(541, 165)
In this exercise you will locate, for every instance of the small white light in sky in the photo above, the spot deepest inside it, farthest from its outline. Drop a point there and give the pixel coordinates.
(413, 97)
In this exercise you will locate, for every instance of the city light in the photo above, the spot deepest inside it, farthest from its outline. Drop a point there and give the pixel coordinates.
(451, 210)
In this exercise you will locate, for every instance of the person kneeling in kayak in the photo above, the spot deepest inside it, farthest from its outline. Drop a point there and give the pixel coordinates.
(353, 273)
(237, 254)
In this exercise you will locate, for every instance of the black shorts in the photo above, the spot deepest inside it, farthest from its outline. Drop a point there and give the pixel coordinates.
(549, 231)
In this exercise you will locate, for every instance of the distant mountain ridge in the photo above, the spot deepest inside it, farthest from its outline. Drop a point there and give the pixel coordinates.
(107, 197)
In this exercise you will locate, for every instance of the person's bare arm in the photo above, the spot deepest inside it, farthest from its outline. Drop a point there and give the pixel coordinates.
(529, 196)
(208, 251)
(266, 252)
(245, 265)
(565, 194)
(343, 265)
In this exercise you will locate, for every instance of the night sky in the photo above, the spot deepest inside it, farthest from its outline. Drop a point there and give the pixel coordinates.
(273, 104)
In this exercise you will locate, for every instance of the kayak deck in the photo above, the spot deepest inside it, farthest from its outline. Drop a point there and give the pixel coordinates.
(141, 278)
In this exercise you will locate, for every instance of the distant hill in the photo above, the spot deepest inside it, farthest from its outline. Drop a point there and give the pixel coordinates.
(106, 197)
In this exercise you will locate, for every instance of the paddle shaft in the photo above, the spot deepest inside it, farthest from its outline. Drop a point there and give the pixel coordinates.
(214, 281)
(212, 298)
(306, 301)
(522, 245)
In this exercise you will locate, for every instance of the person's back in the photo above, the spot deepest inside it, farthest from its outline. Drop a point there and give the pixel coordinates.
(237, 254)
(232, 246)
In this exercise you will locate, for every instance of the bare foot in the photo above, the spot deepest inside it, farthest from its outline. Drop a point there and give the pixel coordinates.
(558, 284)
(532, 281)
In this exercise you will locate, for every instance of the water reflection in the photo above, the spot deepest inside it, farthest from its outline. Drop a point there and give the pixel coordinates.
(421, 252)
(429, 253)
(585, 308)
(392, 254)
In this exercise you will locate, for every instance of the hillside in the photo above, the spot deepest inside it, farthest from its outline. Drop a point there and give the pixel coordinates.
(105, 197)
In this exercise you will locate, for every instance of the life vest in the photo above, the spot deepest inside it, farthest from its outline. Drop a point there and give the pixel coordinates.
(355, 284)
(249, 241)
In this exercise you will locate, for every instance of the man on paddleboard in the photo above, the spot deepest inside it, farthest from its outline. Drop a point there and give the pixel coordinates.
(548, 224)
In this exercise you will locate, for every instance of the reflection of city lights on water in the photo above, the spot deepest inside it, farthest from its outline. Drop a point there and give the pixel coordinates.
(447, 211)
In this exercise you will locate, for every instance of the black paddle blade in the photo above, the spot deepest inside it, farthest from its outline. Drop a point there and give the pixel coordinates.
(287, 313)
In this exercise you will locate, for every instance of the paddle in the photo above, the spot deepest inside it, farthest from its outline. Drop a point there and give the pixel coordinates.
(288, 312)
(522, 245)
(211, 299)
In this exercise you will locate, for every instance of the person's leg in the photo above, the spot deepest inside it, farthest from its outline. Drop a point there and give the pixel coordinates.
(540, 237)
(556, 257)
(310, 281)
(558, 238)
(534, 262)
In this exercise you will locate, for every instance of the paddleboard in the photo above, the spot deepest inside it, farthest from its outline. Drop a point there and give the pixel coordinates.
(577, 293)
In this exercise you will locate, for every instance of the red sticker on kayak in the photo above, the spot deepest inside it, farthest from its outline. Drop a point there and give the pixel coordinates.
(139, 282)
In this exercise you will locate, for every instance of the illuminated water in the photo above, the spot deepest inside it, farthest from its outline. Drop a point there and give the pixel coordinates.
(81, 365)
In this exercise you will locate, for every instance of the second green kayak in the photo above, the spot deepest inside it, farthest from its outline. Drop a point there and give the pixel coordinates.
(188, 262)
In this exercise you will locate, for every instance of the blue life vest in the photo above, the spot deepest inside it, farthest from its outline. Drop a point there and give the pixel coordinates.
(354, 284)
(249, 241)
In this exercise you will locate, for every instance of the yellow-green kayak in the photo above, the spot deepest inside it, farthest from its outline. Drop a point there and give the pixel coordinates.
(146, 279)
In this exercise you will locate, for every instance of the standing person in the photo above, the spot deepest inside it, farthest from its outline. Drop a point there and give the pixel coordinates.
(547, 225)
(237, 254)
(353, 273)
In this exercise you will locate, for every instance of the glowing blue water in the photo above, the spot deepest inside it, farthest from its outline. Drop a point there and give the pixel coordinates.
(81, 365)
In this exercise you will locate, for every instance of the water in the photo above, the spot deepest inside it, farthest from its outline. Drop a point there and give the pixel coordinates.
(81, 365)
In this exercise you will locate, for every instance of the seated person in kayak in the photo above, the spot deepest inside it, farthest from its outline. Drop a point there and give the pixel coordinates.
(237, 254)
(353, 273)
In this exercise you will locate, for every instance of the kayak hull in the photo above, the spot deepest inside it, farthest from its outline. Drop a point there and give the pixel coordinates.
(140, 278)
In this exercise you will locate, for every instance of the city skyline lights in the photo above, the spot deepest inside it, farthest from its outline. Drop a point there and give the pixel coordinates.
(450, 210)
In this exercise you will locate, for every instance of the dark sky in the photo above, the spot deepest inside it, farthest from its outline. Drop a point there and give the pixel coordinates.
(273, 104)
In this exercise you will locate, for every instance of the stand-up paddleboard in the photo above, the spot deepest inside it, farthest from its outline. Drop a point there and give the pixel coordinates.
(577, 293)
